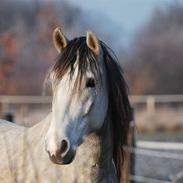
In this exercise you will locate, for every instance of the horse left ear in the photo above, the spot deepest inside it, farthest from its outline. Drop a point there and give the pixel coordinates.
(93, 43)
(59, 40)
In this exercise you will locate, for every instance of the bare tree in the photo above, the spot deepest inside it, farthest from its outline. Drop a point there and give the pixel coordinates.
(26, 42)
(155, 62)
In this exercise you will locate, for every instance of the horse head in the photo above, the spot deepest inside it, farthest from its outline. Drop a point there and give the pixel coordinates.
(80, 95)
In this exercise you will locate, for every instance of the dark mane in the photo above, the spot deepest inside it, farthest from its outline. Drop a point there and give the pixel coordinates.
(119, 107)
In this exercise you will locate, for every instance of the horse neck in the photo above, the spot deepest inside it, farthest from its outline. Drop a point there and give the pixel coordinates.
(96, 152)
(36, 134)
(105, 135)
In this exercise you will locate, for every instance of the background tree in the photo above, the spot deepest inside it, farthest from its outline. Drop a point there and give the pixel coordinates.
(155, 62)
(26, 50)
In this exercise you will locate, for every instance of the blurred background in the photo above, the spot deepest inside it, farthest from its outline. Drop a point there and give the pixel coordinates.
(147, 37)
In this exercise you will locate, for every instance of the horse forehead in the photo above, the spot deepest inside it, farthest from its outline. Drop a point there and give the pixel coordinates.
(88, 73)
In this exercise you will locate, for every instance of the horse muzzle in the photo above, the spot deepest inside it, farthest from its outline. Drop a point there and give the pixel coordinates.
(64, 155)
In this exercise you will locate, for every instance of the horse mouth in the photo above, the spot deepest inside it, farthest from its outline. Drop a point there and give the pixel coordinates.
(62, 160)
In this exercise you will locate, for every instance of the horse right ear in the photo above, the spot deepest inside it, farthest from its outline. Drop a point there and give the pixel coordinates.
(93, 43)
(59, 40)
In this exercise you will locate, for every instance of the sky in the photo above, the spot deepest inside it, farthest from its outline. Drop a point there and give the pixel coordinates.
(125, 15)
(130, 13)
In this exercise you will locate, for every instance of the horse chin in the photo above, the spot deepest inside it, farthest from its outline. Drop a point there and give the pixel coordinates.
(59, 160)
(68, 160)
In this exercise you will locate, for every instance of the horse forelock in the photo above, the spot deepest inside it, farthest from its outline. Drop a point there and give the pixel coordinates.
(76, 53)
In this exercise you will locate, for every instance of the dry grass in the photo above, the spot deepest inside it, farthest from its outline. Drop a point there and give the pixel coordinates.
(162, 119)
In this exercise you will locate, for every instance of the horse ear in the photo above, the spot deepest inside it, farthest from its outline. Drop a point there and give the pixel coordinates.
(59, 40)
(93, 43)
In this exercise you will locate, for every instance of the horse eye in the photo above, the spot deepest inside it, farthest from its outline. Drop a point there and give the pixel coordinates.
(90, 83)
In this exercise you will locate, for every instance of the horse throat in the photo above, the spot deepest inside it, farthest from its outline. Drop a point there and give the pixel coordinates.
(94, 156)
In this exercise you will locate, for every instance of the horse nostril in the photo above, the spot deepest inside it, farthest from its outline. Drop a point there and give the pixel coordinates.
(64, 147)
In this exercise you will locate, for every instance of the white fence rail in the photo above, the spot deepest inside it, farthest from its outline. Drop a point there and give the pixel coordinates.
(155, 153)
(133, 98)
(142, 179)
(24, 99)
(152, 100)
(160, 145)
(157, 98)
(5, 101)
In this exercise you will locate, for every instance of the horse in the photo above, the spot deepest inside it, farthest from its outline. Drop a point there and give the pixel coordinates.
(82, 139)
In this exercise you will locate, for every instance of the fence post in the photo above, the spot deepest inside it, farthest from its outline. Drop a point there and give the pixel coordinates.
(150, 105)
(9, 117)
(1, 112)
(132, 143)
(129, 164)
(4, 106)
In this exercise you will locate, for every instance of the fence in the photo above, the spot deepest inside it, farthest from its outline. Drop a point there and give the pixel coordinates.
(6, 100)
(152, 100)
(149, 100)
(152, 149)
(23, 108)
